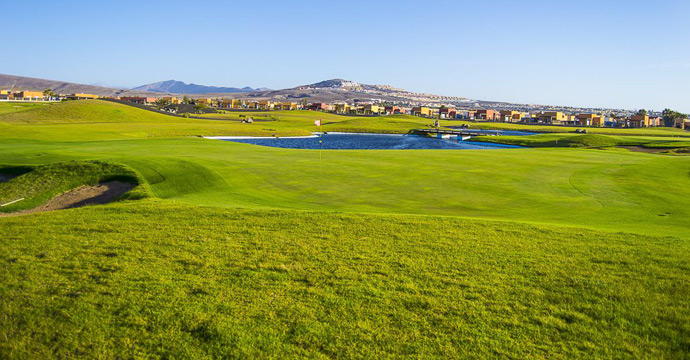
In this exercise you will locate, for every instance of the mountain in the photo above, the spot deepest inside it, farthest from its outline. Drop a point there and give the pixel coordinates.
(333, 84)
(179, 87)
(12, 82)
(341, 90)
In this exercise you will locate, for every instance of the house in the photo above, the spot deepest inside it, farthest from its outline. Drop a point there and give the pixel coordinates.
(589, 120)
(682, 123)
(28, 95)
(139, 99)
(421, 111)
(6, 95)
(486, 115)
(510, 116)
(286, 106)
(392, 110)
(342, 108)
(80, 96)
(447, 113)
(252, 105)
(371, 109)
(171, 99)
(318, 106)
(551, 117)
(265, 105)
(227, 103)
(204, 101)
(639, 121)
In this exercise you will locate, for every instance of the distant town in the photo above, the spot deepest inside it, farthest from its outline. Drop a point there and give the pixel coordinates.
(498, 113)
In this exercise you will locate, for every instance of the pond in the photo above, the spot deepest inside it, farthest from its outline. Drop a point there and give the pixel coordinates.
(341, 141)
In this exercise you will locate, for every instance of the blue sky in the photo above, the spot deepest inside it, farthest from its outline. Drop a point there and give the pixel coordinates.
(628, 54)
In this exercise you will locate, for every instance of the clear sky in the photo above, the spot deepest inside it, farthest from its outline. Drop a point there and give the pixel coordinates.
(629, 54)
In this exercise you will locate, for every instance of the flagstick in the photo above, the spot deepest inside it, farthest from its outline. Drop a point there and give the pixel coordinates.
(320, 136)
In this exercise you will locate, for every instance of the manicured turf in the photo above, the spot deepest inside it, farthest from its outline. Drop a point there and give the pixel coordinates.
(399, 252)
(137, 279)
(611, 190)
(12, 107)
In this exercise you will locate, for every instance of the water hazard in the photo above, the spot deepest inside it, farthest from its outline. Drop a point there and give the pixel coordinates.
(342, 141)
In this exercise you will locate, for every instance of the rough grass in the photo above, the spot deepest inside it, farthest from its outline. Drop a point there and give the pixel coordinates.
(154, 279)
(38, 184)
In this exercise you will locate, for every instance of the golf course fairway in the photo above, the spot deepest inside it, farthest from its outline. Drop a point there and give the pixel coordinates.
(573, 248)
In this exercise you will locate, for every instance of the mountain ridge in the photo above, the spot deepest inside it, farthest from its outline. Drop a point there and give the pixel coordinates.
(180, 87)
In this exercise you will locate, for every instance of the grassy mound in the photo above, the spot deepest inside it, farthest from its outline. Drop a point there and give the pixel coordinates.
(157, 279)
(41, 183)
(83, 111)
(557, 140)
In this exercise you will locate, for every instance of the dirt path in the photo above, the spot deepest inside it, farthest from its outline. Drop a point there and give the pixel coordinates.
(102, 193)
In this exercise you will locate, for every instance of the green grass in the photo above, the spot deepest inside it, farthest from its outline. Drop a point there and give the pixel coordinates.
(13, 107)
(592, 141)
(657, 131)
(37, 185)
(569, 249)
(600, 189)
(138, 279)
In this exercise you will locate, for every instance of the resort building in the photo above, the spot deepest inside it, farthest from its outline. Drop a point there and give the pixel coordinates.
(227, 103)
(421, 111)
(28, 95)
(551, 117)
(342, 108)
(171, 99)
(589, 120)
(682, 123)
(486, 115)
(447, 113)
(139, 99)
(204, 101)
(80, 96)
(510, 116)
(265, 105)
(639, 121)
(393, 110)
(318, 107)
(286, 106)
(370, 109)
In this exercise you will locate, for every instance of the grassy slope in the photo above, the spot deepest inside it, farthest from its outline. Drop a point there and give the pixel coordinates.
(613, 190)
(12, 107)
(135, 278)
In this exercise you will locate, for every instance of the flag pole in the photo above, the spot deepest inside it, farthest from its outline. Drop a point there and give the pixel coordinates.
(320, 139)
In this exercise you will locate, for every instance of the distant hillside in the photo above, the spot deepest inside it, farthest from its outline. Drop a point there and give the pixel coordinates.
(12, 82)
(179, 87)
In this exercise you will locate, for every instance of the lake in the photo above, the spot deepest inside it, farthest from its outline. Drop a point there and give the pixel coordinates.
(342, 141)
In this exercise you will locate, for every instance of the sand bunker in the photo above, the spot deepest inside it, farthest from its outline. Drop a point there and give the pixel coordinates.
(102, 193)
